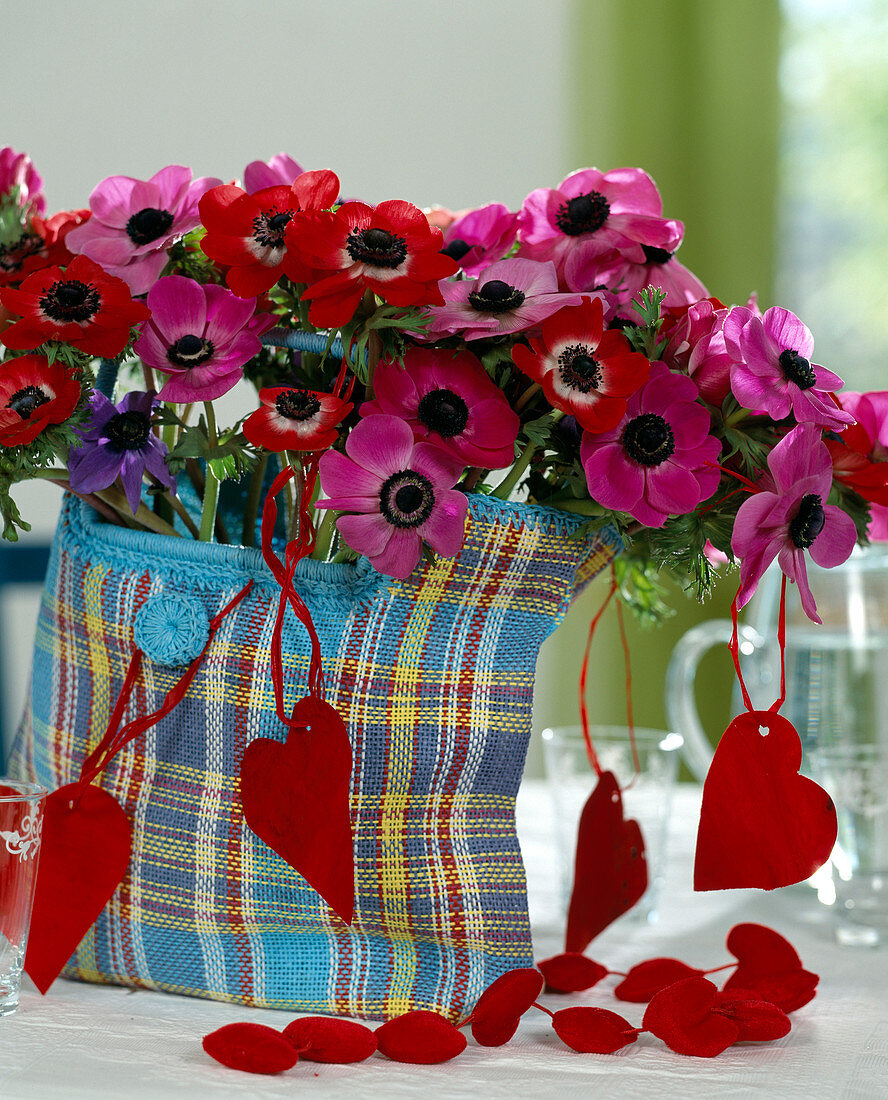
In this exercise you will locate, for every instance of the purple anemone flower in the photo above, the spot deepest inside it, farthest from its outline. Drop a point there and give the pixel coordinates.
(593, 218)
(789, 517)
(480, 237)
(134, 221)
(772, 371)
(279, 169)
(400, 493)
(118, 442)
(509, 296)
(659, 461)
(200, 335)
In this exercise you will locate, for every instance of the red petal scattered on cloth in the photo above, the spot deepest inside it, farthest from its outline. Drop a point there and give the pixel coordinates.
(571, 972)
(84, 855)
(610, 873)
(652, 975)
(324, 1039)
(421, 1038)
(593, 1030)
(758, 1021)
(682, 1016)
(496, 1016)
(296, 798)
(761, 824)
(770, 966)
(254, 1048)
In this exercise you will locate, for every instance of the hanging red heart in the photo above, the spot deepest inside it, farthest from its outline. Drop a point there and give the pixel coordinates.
(295, 797)
(761, 824)
(84, 855)
(610, 872)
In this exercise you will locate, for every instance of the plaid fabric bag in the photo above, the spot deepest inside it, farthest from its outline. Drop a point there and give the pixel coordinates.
(433, 677)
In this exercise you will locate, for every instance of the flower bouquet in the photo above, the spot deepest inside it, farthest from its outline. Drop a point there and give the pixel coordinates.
(464, 416)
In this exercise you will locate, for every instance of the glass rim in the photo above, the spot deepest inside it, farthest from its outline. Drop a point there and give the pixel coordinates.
(24, 792)
(667, 740)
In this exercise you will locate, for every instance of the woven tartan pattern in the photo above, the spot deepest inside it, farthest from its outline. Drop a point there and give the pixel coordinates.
(434, 679)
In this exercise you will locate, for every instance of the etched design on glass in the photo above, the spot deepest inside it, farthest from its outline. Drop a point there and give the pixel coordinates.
(24, 843)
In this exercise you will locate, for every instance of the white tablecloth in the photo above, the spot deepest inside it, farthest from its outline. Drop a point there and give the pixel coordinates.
(98, 1041)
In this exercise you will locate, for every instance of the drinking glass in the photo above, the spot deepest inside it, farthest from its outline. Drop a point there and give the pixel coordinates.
(21, 824)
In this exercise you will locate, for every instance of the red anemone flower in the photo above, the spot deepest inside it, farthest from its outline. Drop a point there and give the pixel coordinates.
(82, 305)
(33, 395)
(294, 419)
(390, 249)
(585, 370)
(41, 244)
(246, 232)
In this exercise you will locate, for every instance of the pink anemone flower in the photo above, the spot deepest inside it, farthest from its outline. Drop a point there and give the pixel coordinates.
(449, 399)
(17, 171)
(659, 461)
(134, 222)
(400, 494)
(200, 336)
(788, 517)
(480, 237)
(772, 371)
(660, 269)
(593, 218)
(509, 296)
(279, 170)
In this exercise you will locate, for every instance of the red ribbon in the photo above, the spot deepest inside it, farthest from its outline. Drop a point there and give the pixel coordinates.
(734, 646)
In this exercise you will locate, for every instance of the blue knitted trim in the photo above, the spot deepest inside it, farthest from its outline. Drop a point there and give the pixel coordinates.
(536, 516)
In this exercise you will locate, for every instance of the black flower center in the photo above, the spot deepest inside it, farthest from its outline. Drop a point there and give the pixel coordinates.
(655, 255)
(456, 249)
(648, 439)
(297, 404)
(495, 296)
(406, 499)
(128, 431)
(148, 224)
(269, 227)
(72, 301)
(808, 522)
(444, 412)
(376, 247)
(579, 369)
(796, 368)
(13, 255)
(190, 351)
(583, 214)
(26, 401)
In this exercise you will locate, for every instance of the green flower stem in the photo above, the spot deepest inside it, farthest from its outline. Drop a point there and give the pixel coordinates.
(112, 504)
(163, 505)
(254, 496)
(325, 536)
(505, 487)
(211, 491)
(736, 417)
(528, 394)
(179, 508)
(294, 495)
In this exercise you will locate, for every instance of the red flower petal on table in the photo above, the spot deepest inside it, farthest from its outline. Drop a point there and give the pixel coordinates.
(652, 975)
(254, 1048)
(496, 1016)
(571, 972)
(247, 232)
(593, 1030)
(758, 1020)
(323, 1039)
(82, 306)
(34, 395)
(420, 1038)
(293, 419)
(683, 1015)
(770, 966)
(390, 249)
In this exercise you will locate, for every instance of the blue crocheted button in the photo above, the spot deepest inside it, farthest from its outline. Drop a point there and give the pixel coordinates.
(171, 628)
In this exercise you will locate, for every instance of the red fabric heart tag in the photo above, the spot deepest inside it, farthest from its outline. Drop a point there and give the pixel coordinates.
(769, 965)
(323, 1039)
(757, 1021)
(253, 1048)
(682, 1016)
(761, 823)
(610, 872)
(571, 972)
(649, 977)
(295, 797)
(84, 855)
(593, 1030)
(496, 1016)
(420, 1038)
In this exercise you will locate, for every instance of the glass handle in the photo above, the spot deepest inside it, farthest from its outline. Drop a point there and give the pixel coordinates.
(681, 703)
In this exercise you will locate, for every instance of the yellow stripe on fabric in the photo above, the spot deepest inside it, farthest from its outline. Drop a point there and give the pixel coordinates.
(393, 871)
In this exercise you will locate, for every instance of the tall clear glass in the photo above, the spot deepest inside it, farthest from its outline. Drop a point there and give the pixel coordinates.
(21, 825)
